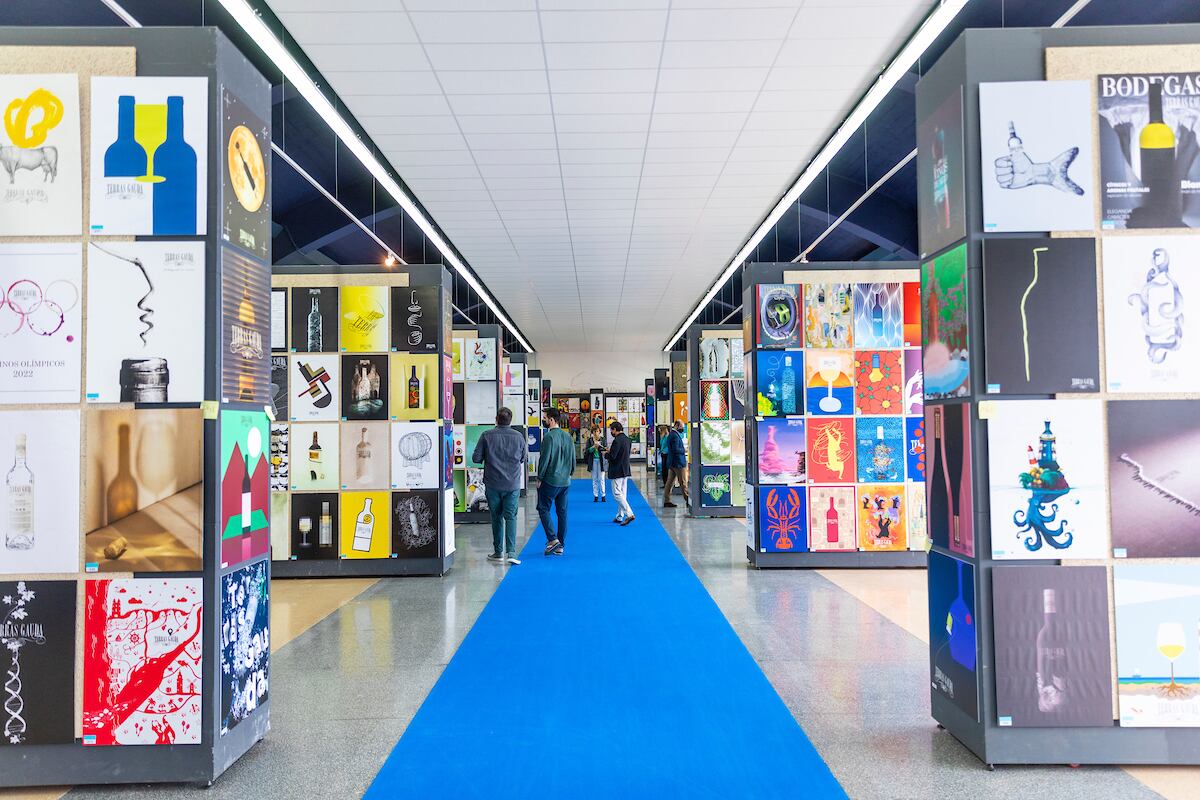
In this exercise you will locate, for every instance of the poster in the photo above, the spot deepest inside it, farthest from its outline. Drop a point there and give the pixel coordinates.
(479, 360)
(831, 519)
(278, 389)
(1053, 662)
(315, 525)
(281, 527)
(415, 524)
(678, 376)
(1035, 140)
(476, 494)
(365, 387)
(315, 323)
(781, 451)
(459, 441)
(941, 194)
(944, 325)
(145, 307)
(914, 448)
(878, 316)
(777, 373)
(41, 321)
(737, 481)
(737, 442)
(460, 491)
(366, 525)
(513, 379)
(1047, 467)
(914, 383)
(473, 434)
(245, 487)
(918, 517)
(948, 481)
(37, 640)
(245, 351)
(415, 454)
(414, 387)
(280, 457)
(882, 517)
(315, 387)
(716, 488)
(149, 162)
(145, 504)
(40, 154)
(456, 359)
(878, 382)
(777, 323)
(679, 407)
(714, 357)
(364, 455)
(831, 450)
(782, 517)
(829, 382)
(828, 315)
(737, 359)
(912, 313)
(1040, 330)
(737, 400)
(451, 394)
(142, 676)
(953, 644)
(279, 319)
(879, 449)
(245, 643)
(481, 404)
(714, 400)
(315, 461)
(245, 182)
(1158, 672)
(364, 320)
(716, 443)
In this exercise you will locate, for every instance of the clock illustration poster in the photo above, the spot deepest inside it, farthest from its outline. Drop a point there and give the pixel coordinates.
(952, 637)
(245, 182)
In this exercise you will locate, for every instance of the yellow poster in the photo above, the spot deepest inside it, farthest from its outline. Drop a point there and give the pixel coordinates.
(364, 319)
(414, 393)
(366, 525)
(456, 361)
(881, 517)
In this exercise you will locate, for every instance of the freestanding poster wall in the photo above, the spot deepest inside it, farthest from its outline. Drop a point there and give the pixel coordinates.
(477, 351)
(628, 408)
(514, 390)
(717, 442)
(533, 419)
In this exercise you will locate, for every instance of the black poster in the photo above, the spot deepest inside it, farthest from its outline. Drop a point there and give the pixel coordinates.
(953, 643)
(364, 387)
(1040, 326)
(941, 195)
(460, 404)
(662, 384)
(415, 523)
(314, 525)
(314, 320)
(37, 645)
(415, 318)
(245, 181)
(245, 643)
(279, 386)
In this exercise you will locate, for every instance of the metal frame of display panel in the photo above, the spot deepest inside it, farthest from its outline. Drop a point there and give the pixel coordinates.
(694, 334)
(482, 332)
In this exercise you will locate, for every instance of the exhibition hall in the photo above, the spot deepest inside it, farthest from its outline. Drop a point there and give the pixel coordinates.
(592, 398)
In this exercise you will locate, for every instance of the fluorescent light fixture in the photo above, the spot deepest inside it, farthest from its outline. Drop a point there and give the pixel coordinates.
(930, 29)
(258, 31)
(119, 10)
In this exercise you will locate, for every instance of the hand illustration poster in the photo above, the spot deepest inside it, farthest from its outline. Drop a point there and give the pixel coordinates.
(777, 322)
(41, 313)
(40, 154)
(914, 383)
(245, 487)
(716, 488)
(953, 643)
(365, 455)
(882, 517)
(145, 305)
(831, 519)
(1158, 677)
(941, 193)
(1047, 468)
(315, 462)
(366, 525)
(715, 443)
(944, 325)
(245, 306)
(828, 315)
(414, 455)
(365, 387)
(149, 170)
(878, 315)
(878, 382)
(315, 324)
(782, 517)
(315, 387)
(831, 450)
(879, 449)
(781, 451)
(245, 643)
(777, 373)
(1035, 140)
(142, 677)
(414, 388)
(479, 360)
(315, 525)
(37, 640)
(829, 382)
(918, 517)
(245, 183)
(364, 322)
(415, 524)
(948, 481)
(1053, 662)
(1040, 330)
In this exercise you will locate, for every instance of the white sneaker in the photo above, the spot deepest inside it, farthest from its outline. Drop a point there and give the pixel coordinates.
(514, 560)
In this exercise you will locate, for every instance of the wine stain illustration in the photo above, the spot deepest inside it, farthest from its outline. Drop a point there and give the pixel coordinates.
(147, 311)
(1024, 300)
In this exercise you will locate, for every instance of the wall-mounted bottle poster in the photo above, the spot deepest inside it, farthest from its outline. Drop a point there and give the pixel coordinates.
(941, 193)
(364, 323)
(953, 643)
(245, 486)
(414, 386)
(365, 387)
(149, 163)
(315, 387)
(949, 487)
(878, 315)
(39, 455)
(41, 312)
(245, 643)
(415, 524)
(479, 360)
(40, 156)
(314, 450)
(37, 636)
(315, 324)
(831, 519)
(245, 328)
(365, 455)
(366, 525)
(245, 181)
(315, 525)
(415, 318)
(918, 517)
(944, 325)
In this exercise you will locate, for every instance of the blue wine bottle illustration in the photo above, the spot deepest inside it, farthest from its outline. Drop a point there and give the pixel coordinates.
(125, 158)
(175, 162)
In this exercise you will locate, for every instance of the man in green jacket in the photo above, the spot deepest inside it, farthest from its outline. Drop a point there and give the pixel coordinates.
(555, 465)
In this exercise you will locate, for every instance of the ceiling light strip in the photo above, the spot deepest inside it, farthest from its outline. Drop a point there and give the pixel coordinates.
(1070, 13)
(125, 16)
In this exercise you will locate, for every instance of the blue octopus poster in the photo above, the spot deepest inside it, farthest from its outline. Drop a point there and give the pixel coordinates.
(245, 643)
(880, 449)
(953, 644)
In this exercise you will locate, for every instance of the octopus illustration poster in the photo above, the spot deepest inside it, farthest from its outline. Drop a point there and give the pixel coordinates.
(145, 305)
(782, 518)
(40, 154)
(245, 487)
(944, 325)
(245, 643)
(41, 314)
(829, 382)
(878, 315)
(953, 643)
(879, 449)
(414, 454)
(882, 518)
(941, 175)
(831, 450)
(1048, 468)
(37, 640)
(1030, 345)
(1158, 672)
(914, 383)
(878, 382)
(149, 162)
(245, 184)
(777, 320)
(781, 451)
(415, 524)
(364, 319)
(142, 677)
(828, 315)
(1149, 282)
(831, 519)
(948, 477)
(315, 387)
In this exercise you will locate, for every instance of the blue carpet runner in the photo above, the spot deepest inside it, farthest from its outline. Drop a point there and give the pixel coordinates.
(607, 672)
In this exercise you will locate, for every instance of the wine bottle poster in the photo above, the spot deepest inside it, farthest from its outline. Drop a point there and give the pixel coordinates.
(145, 306)
(828, 315)
(245, 487)
(245, 643)
(714, 357)
(365, 387)
(315, 387)
(777, 393)
(912, 314)
(716, 487)
(37, 636)
(949, 477)
(831, 450)
(415, 524)
(456, 359)
(460, 491)
(941, 182)
(953, 642)
(245, 182)
(415, 394)
(879, 449)
(777, 321)
(878, 382)
(829, 382)
(1158, 672)
(914, 383)
(1148, 283)
(315, 325)
(245, 328)
(414, 455)
(315, 525)
(914, 448)
(149, 162)
(1053, 661)
(714, 399)
(364, 319)
(41, 319)
(280, 460)
(481, 404)
(737, 442)
(831, 519)
(513, 378)
(479, 360)
(882, 517)
(945, 357)
(918, 517)
(1036, 162)
(1048, 473)
(142, 661)
(473, 434)
(878, 315)
(782, 517)
(365, 454)
(737, 482)
(315, 459)
(476, 501)
(281, 526)
(781, 451)
(1040, 330)
(278, 390)
(366, 525)
(1151, 479)
(715, 443)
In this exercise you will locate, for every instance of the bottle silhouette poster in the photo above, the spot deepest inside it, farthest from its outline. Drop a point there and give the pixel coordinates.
(941, 193)
(880, 449)
(878, 315)
(882, 518)
(918, 516)
(42, 303)
(314, 525)
(315, 456)
(782, 518)
(946, 357)
(415, 524)
(314, 319)
(245, 327)
(366, 525)
(953, 644)
(245, 178)
(37, 639)
(365, 387)
(829, 382)
(949, 477)
(365, 455)
(831, 519)
(878, 382)
(245, 487)
(39, 466)
(245, 643)
(364, 319)
(780, 382)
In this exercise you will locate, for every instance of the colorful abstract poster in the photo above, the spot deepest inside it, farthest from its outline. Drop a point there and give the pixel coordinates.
(245, 643)
(315, 387)
(679, 406)
(777, 374)
(365, 450)
(953, 642)
(415, 455)
(914, 383)
(714, 399)
(41, 322)
(481, 401)
(1040, 331)
(364, 319)
(714, 357)
(245, 182)
(479, 360)
(37, 638)
(415, 318)
(1053, 662)
(737, 357)
(944, 325)
(914, 448)
(315, 525)
(533, 435)
(777, 320)
(828, 316)
(245, 487)
(941, 182)
(948, 481)
(145, 307)
(40, 155)
(918, 517)
(912, 314)
(245, 328)
(1148, 283)
(365, 387)
(831, 519)
(448, 456)
(737, 480)
(281, 526)
(145, 470)
(315, 323)
(279, 387)
(142, 674)
(882, 517)
(366, 525)
(716, 487)
(1150, 478)
(1035, 142)
(829, 382)
(415, 524)
(715, 443)
(315, 462)
(879, 446)
(149, 162)
(1048, 468)
(414, 393)
(781, 451)
(878, 382)
(782, 518)
(878, 316)
(1158, 672)
(831, 450)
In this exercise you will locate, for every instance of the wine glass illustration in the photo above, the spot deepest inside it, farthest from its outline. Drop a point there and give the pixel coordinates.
(150, 131)
(829, 371)
(1171, 644)
(305, 525)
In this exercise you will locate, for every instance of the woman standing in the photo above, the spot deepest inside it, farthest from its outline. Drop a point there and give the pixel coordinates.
(594, 453)
(619, 472)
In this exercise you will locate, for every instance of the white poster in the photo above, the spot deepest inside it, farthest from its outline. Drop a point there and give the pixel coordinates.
(479, 359)
(42, 192)
(448, 525)
(39, 455)
(41, 313)
(279, 319)
(1150, 340)
(149, 162)
(415, 455)
(481, 403)
(315, 387)
(315, 459)
(145, 322)
(514, 378)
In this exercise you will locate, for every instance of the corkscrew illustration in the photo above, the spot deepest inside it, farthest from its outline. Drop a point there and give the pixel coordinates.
(1162, 320)
(147, 312)
(1017, 170)
(415, 334)
(1139, 475)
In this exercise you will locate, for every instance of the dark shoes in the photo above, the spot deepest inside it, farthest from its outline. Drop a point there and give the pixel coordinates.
(627, 520)
(558, 551)
(604, 499)
(595, 499)
(617, 520)
(670, 505)
(499, 559)
(551, 545)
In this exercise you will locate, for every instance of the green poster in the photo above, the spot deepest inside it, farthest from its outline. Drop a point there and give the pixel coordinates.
(245, 486)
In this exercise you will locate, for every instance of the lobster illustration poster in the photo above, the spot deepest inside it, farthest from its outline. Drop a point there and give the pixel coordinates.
(315, 462)
(948, 477)
(479, 360)
(781, 451)
(941, 181)
(878, 382)
(149, 162)
(364, 322)
(145, 305)
(1035, 141)
(777, 322)
(41, 322)
(245, 328)
(415, 454)
(315, 387)
(1149, 284)
(831, 519)
(315, 325)
(415, 318)
(245, 643)
(40, 156)
(37, 660)
(716, 487)
(365, 387)
(829, 382)
(953, 643)
(365, 455)
(782, 517)
(142, 677)
(415, 524)
(315, 525)
(1047, 469)
(828, 315)
(245, 184)
(878, 315)
(879, 449)
(831, 450)
(882, 518)
(366, 525)
(777, 373)
(1030, 345)
(1053, 661)
(245, 487)
(414, 388)
(944, 325)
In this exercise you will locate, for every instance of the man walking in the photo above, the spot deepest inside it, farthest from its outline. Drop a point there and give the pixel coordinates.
(555, 465)
(503, 452)
(675, 464)
(619, 472)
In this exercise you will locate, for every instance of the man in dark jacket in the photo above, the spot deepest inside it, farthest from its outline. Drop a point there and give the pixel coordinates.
(556, 462)
(619, 472)
(503, 452)
(675, 464)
